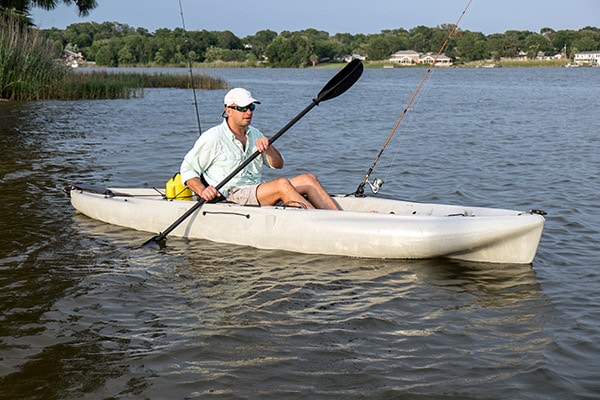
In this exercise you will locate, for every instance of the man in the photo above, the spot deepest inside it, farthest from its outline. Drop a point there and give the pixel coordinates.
(223, 148)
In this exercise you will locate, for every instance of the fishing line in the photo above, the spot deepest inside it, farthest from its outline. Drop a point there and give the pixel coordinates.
(408, 126)
(360, 190)
(187, 50)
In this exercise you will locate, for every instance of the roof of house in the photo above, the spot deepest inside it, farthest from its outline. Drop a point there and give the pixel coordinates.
(406, 53)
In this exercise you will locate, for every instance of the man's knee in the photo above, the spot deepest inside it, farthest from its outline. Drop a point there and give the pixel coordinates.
(283, 184)
(309, 178)
(313, 177)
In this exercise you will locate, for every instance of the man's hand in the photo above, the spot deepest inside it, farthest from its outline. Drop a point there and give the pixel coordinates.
(209, 193)
(262, 144)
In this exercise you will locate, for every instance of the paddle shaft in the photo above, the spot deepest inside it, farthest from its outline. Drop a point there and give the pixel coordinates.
(341, 82)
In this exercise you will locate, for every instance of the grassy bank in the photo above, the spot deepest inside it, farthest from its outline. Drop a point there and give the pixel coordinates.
(533, 63)
(518, 63)
(123, 85)
(31, 69)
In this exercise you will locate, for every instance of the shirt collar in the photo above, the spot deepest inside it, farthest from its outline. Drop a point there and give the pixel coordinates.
(230, 132)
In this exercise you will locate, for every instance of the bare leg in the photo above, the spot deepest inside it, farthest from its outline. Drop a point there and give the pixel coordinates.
(294, 189)
(308, 185)
(280, 189)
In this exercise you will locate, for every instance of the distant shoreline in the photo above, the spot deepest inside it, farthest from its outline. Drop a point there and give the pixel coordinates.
(367, 64)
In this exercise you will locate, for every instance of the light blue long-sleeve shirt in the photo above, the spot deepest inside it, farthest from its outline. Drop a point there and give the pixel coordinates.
(217, 153)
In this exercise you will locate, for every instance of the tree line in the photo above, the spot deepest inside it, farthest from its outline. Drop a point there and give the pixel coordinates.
(115, 44)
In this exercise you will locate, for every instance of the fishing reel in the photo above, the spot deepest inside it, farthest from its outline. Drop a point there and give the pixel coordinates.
(376, 185)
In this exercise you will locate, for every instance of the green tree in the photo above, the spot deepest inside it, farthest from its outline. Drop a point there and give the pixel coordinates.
(323, 49)
(109, 30)
(511, 43)
(160, 57)
(259, 41)
(343, 43)
(589, 39)
(470, 46)
(22, 8)
(536, 43)
(378, 49)
(199, 41)
(216, 53)
(548, 33)
(289, 50)
(227, 40)
(125, 56)
(107, 56)
(168, 45)
(82, 40)
(495, 45)
(419, 38)
(140, 47)
(314, 34)
(564, 39)
(438, 36)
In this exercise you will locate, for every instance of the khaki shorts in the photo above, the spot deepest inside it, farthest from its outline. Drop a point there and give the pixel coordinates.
(245, 196)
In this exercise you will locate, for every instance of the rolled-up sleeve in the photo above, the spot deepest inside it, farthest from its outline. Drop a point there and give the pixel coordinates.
(196, 161)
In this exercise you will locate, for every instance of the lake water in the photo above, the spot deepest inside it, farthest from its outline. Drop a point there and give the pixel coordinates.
(85, 314)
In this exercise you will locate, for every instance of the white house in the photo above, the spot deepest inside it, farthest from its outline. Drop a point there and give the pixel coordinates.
(71, 58)
(350, 57)
(405, 57)
(587, 58)
(411, 57)
(442, 61)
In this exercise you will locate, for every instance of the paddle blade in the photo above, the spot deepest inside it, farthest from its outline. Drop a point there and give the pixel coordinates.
(159, 240)
(341, 82)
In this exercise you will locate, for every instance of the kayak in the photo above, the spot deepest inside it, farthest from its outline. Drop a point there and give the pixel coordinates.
(366, 226)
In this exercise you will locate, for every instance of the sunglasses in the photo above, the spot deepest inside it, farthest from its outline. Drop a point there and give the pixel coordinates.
(251, 107)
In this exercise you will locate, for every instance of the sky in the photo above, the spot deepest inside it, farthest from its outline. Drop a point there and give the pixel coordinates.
(245, 18)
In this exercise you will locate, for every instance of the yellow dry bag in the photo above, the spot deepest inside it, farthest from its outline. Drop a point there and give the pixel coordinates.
(176, 190)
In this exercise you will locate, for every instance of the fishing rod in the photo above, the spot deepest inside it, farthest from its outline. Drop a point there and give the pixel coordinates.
(187, 50)
(376, 185)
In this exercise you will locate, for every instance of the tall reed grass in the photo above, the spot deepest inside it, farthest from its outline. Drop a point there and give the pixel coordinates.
(98, 84)
(534, 63)
(27, 66)
(31, 69)
(182, 81)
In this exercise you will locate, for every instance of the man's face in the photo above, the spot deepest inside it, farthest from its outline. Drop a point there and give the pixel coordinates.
(240, 116)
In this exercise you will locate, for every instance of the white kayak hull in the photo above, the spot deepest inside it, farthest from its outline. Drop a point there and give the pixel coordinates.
(367, 227)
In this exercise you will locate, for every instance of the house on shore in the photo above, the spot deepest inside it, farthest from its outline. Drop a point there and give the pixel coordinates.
(587, 58)
(411, 57)
(349, 57)
(72, 59)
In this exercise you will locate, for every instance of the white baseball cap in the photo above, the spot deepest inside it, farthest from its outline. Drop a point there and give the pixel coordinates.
(240, 97)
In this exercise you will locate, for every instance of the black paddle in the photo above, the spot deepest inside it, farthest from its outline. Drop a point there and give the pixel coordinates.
(341, 82)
